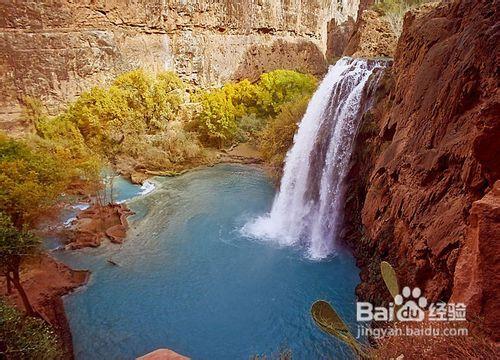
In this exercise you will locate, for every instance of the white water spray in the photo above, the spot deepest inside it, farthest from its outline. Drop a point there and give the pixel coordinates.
(307, 209)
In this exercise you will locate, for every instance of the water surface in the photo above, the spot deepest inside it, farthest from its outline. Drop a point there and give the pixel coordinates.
(190, 281)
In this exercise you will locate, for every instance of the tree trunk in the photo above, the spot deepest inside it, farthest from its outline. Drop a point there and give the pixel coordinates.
(111, 190)
(24, 297)
(9, 284)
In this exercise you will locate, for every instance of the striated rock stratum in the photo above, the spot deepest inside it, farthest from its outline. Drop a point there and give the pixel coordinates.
(56, 49)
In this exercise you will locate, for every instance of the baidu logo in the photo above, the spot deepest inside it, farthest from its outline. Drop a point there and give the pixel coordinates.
(408, 306)
(411, 305)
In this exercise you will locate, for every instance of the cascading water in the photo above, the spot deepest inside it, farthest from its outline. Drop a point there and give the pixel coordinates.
(307, 209)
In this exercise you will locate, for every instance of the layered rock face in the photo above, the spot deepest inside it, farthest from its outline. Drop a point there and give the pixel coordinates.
(368, 37)
(371, 37)
(56, 49)
(427, 156)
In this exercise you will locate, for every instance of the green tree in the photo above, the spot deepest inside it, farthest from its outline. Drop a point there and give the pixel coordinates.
(280, 87)
(30, 180)
(167, 94)
(15, 246)
(24, 337)
(136, 105)
(242, 108)
(277, 136)
(217, 120)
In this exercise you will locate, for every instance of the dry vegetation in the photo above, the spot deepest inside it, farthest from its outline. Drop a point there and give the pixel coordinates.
(475, 345)
(394, 11)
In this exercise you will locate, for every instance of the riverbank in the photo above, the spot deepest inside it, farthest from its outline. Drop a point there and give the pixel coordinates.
(46, 281)
(242, 153)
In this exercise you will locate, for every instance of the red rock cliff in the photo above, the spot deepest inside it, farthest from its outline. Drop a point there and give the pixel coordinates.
(426, 153)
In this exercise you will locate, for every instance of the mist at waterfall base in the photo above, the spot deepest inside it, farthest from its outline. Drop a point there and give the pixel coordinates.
(307, 210)
(189, 280)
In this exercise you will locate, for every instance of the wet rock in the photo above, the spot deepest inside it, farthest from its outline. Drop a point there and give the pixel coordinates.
(97, 223)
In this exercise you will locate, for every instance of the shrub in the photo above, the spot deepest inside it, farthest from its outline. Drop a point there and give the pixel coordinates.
(133, 119)
(154, 101)
(394, 11)
(249, 127)
(135, 104)
(60, 138)
(282, 87)
(237, 111)
(24, 337)
(31, 179)
(179, 145)
(277, 137)
(216, 123)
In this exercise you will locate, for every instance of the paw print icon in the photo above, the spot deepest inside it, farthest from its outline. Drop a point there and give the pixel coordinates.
(411, 304)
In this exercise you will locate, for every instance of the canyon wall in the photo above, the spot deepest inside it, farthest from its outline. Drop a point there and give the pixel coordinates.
(422, 191)
(55, 49)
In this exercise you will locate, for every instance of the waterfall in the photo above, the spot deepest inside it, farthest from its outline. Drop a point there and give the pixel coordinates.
(308, 207)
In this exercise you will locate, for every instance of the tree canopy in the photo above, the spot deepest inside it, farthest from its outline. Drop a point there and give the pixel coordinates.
(230, 111)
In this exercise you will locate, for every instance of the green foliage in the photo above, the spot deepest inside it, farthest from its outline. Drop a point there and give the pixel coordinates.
(277, 137)
(179, 146)
(59, 138)
(15, 242)
(23, 337)
(151, 101)
(33, 110)
(134, 105)
(238, 111)
(250, 126)
(133, 119)
(15, 245)
(217, 120)
(172, 149)
(138, 120)
(31, 179)
(281, 87)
